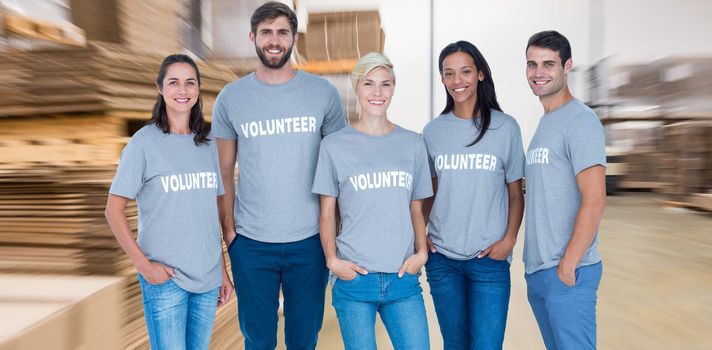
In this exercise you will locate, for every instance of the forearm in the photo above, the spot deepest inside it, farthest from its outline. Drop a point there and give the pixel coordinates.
(592, 186)
(327, 228)
(585, 228)
(418, 220)
(516, 209)
(119, 225)
(226, 205)
(428, 202)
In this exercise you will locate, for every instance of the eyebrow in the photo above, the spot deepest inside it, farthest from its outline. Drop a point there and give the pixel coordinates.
(373, 81)
(172, 78)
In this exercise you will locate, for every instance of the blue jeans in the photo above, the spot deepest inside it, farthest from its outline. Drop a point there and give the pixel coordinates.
(399, 301)
(259, 270)
(566, 316)
(177, 319)
(471, 300)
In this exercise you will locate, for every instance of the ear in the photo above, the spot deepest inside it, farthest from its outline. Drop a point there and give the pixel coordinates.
(296, 38)
(159, 89)
(480, 76)
(568, 65)
(252, 37)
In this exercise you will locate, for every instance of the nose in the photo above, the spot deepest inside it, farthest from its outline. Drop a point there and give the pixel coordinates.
(378, 90)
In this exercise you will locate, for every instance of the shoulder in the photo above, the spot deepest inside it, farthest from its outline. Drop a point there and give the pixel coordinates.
(434, 124)
(334, 138)
(501, 119)
(410, 137)
(146, 132)
(237, 84)
(315, 81)
(582, 114)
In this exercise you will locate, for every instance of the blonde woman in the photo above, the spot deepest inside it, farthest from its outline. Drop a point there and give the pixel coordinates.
(378, 172)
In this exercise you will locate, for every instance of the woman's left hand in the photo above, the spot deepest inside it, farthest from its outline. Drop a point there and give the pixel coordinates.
(500, 250)
(225, 290)
(413, 264)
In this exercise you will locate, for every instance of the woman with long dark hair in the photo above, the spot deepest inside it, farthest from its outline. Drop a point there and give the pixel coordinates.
(170, 167)
(477, 163)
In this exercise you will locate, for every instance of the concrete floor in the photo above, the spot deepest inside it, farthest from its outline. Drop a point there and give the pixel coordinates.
(656, 291)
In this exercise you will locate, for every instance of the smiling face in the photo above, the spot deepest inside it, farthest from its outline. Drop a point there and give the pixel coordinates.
(545, 74)
(374, 92)
(274, 41)
(460, 77)
(180, 88)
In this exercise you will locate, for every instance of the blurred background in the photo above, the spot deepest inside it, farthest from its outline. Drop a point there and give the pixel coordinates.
(77, 81)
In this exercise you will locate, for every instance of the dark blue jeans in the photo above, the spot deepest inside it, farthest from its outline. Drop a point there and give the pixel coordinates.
(259, 270)
(471, 300)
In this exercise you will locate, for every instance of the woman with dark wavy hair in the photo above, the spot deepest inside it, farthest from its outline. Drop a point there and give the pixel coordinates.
(477, 164)
(170, 167)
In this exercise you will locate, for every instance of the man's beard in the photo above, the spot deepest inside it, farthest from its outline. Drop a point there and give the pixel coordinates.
(276, 65)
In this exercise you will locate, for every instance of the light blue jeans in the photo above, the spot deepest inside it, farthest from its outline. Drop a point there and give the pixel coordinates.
(177, 319)
(399, 302)
(566, 315)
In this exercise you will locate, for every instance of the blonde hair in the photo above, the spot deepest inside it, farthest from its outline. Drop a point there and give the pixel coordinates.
(367, 64)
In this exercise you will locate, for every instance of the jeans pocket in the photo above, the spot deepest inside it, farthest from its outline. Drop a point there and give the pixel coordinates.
(232, 243)
(561, 283)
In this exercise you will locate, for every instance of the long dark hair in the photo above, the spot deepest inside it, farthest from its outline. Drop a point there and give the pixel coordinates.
(197, 123)
(486, 97)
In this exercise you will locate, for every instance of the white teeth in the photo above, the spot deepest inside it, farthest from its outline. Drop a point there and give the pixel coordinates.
(379, 103)
(459, 89)
(182, 100)
(539, 82)
(274, 51)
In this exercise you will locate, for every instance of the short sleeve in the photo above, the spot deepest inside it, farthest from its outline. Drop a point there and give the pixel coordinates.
(334, 118)
(221, 125)
(586, 142)
(422, 181)
(129, 176)
(325, 180)
(431, 163)
(515, 156)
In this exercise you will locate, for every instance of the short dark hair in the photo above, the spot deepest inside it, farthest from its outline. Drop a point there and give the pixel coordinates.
(552, 40)
(159, 116)
(270, 11)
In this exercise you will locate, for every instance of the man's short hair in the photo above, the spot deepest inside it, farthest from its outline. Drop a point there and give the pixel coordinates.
(552, 40)
(270, 11)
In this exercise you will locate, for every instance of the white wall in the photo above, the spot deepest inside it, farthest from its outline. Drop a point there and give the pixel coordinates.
(500, 29)
(642, 31)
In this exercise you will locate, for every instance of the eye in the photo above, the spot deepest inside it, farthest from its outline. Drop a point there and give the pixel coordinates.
(531, 65)
(172, 83)
(448, 74)
(549, 64)
(386, 84)
(467, 71)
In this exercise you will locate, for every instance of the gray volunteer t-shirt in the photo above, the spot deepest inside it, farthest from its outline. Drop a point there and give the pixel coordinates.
(567, 141)
(175, 184)
(471, 206)
(278, 128)
(374, 178)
